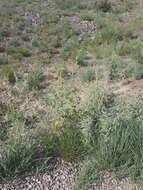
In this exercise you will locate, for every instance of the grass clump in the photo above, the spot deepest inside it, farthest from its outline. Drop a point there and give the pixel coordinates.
(119, 144)
(125, 68)
(35, 42)
(44, 48)
(68, 4)
(3, 60)
(3, 123)
(66, 142)
(17, 154)
(103, 5)
(88, 75)
(62, 101)
(34, 80)
(72, 144)
(8, 73)
(46, 62)
(87, 175)
(62, 70)
(18, 51)
(80, 58)
(69, 49)
(15, 42)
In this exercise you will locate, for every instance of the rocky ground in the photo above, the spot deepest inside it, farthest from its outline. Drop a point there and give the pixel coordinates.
(61, 175)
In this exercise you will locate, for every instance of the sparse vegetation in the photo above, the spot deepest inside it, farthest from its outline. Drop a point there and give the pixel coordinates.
(71, 84)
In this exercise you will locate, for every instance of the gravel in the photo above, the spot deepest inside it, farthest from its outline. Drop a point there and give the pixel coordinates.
(61, 175)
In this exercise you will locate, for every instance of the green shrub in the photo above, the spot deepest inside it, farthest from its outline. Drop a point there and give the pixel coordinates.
(34, 80)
